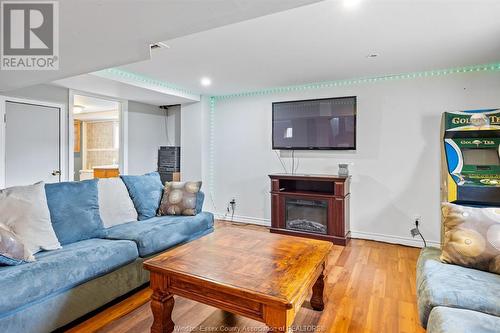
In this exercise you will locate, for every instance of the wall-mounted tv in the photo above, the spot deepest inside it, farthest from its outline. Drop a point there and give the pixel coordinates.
(328, 123)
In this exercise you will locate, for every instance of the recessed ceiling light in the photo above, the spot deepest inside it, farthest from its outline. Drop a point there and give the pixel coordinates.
(351, 4)
(205, 81)
(78, 108)
(372, 55)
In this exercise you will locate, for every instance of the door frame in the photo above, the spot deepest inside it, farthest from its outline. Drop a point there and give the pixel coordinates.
(123, 119)
(63, 133)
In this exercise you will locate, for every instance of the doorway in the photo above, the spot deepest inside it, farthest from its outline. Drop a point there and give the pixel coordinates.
(32, 136)
(97, 137)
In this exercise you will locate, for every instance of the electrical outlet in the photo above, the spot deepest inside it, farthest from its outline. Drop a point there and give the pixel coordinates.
(416, 220)
(416, 231)
(231, 207)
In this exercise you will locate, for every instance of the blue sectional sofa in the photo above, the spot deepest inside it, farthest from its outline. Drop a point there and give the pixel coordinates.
(65, 284)
(455, 299)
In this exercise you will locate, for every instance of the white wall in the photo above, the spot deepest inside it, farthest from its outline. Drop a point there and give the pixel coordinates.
(194, 149)
(194, 125)
(191, 144)
(148, 130)
(395, 167)
(174, 125)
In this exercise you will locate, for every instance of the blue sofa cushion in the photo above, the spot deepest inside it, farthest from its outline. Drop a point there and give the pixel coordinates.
(160, 233)
(59, 270)
(440, 284)
(74, 210)
(146, 192)
(200, 197)
(451, 320)
(8, 261)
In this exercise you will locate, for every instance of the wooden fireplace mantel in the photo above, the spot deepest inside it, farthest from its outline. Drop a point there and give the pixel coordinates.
(330, 189)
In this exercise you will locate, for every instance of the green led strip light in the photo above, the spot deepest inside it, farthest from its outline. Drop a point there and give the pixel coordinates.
(113, 72)
(322, 85)
(363, 80)
(211, 148)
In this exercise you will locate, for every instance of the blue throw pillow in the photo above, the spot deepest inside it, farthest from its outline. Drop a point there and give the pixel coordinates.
(74, 210)
(146, 192)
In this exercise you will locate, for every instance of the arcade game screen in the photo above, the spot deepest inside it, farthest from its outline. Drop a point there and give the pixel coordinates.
(480, 157)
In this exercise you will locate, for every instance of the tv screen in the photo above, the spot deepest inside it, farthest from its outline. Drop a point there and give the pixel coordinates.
(328, 123)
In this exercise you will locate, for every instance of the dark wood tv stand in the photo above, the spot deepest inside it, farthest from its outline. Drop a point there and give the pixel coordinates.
(314, 206)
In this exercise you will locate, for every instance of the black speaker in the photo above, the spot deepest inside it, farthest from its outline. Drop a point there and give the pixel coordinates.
(169, 161)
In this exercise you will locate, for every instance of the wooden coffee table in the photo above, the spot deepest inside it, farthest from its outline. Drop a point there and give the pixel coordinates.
(255, 274)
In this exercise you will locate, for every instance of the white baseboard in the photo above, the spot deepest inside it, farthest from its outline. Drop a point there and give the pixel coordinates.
(408, 241)
(244, 219)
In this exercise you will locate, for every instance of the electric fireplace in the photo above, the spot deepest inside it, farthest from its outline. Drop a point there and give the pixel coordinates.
(314, 206)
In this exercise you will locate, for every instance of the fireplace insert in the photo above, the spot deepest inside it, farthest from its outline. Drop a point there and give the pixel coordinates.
(306, 215)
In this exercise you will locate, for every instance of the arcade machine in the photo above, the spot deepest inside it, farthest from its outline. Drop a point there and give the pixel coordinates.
(470, 157)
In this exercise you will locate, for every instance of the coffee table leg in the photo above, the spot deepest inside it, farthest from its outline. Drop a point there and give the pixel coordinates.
(162, 304)
(317, 296)
(279, 320)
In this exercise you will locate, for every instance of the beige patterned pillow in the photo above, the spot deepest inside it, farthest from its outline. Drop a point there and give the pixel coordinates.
(471, 237)
(179, 198)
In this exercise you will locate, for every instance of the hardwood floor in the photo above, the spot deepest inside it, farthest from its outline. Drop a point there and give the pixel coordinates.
(370, 287)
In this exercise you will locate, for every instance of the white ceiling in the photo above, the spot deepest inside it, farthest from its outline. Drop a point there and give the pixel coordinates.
(113, 88)
(97, 34)
(327, 41)
(93, 104)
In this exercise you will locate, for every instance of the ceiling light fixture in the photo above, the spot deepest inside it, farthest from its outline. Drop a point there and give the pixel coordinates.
(78, 108)
(205, 81)
(351, 4)
(372, 55)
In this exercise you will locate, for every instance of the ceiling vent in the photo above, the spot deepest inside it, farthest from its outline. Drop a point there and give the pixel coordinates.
(159, 45)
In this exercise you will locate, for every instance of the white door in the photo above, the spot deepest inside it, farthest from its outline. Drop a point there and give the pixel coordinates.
(32, 144)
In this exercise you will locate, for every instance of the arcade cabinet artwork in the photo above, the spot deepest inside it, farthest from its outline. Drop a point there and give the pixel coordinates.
(471, 160)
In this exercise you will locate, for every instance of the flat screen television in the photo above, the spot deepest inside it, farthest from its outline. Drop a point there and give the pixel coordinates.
(328, 123)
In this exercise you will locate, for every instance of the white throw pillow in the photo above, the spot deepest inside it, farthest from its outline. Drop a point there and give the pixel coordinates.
(115, 205)
(24, 210)
(12, 249)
